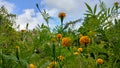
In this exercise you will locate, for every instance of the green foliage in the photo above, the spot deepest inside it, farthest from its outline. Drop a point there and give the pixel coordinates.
(41, 47)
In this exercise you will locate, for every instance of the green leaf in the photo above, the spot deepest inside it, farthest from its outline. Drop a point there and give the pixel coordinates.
(87, 14)
(108, 11)
(95, 8)
(89, 8)
(112, 9)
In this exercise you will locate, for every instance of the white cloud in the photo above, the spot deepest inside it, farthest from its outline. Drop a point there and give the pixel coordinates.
(68, 6)
(62, 4)
(8, 6)
(73, 8)
(29, 16)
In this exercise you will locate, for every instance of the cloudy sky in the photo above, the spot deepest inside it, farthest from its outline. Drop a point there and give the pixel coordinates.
(27, 12)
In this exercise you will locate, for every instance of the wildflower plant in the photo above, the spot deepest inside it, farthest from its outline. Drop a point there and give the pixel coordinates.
(63, 48)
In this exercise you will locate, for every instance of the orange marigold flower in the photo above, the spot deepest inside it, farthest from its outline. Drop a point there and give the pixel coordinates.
(59, 36)
(60, 57)
(84, 40)
(32, 66)
(100, 61)
(66, 42)
(61, 15)
(80, 49)
(76, 53)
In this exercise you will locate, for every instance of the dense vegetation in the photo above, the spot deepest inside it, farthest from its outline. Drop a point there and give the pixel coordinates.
(96, 44)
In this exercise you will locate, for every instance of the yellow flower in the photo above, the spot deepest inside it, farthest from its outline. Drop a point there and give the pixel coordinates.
(61, 15)
(100, 61)
(66, 42)
(76, 53)
(80, 49)
(59, 36)
(60, 57)
(84, 40)
(32, 66)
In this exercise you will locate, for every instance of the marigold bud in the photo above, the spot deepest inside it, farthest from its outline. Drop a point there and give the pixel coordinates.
(53, 63)
(53, 40)
(23, 30)
(17, 47)
(76, 53)
(80, 49)
(32, 66)
(100, 61)
(60, 57)
(59, 36)
(116, 4)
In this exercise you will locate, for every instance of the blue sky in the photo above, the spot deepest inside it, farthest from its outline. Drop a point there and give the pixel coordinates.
(27, 12)
(20, 5)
